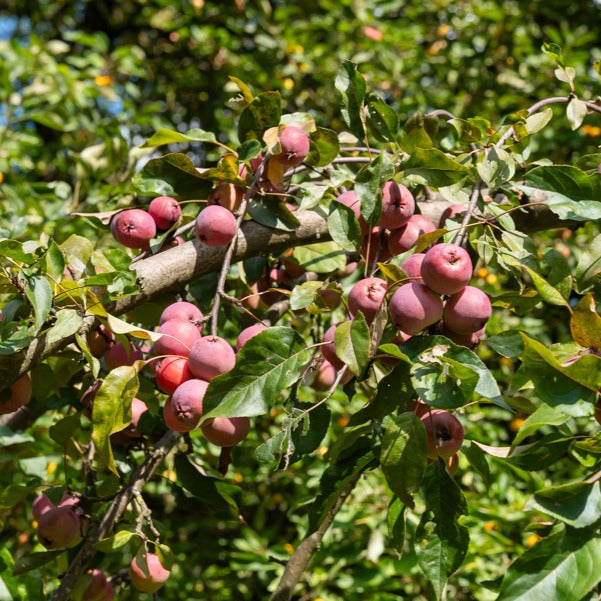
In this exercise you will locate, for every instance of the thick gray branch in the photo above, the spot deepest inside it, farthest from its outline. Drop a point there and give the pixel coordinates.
(173, 269)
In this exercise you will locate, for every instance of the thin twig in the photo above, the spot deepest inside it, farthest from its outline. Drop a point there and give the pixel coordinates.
(227, 260)
(113, 514)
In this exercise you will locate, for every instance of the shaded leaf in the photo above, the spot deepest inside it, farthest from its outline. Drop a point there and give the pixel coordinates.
(112, 410)
(352, 343)
(351, 85)
(403, 455)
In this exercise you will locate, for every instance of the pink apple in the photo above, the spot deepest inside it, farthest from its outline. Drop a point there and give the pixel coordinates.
(414, 307)
(444, 432)
(467, 311)
(446, 268)
(398, 205)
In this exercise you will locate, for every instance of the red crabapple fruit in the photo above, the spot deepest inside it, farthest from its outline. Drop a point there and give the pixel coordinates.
(226, 195)
(185, 405)
(451, 212)
(294, 143)
(171, 372)
(60, 528)
(118, 355)
(444, 433)
(412, 266)
(402, 239)
(211, 356)
(446, 268)
(165, 211)
(398, 205)
(182, 310)
(247, 333)
(414, 307)
(19, 395)
(367, 296)
(40, 506)
(226, 431)
(133, 228)
(147, 574)
(178, 337)
(329, 350)
(215, 226)
(467, 311)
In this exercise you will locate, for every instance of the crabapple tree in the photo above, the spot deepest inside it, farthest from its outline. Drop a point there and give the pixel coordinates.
(400, 309)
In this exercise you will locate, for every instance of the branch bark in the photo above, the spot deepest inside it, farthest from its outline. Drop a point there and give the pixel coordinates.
(173, 269)
(300, 558)
(113, 514)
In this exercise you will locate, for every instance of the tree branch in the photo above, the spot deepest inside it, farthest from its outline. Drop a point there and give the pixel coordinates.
(113, 514)
(174, 268)
(300, 558)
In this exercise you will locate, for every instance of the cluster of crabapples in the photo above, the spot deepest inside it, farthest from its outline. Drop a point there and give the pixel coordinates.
(435, 296)
(63, 526)
(216, 224)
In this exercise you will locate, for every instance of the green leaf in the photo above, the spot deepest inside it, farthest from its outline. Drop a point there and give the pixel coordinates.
(249, 150)
(433, 167)
(63, 430)
(246, 93)
(441, 541)
(13, 494)
(543, 416)
(115, 542)
(496, 167)
(368, 186)
(509, 343)
(12, 249)
(344, 227)
(39, 293)
(262, 113)
(309, 427)
(414, 134)
(442, 381)
(34, 560)
(304, 295)
(217, 497)
(352, 343)
(112, 410)
(560, 567)
(168, 136)
(477, 459)
(577, 504)
(351, 85)
(403, 455)
(77, 251)
(382, 121)
(336, 477)
(486, 385)
(67, 323)
(576, 112)
(323, 257)
(547, 292)
(267, 365)
(538, 121)
(571, 388)
(585, 323)
(395, 520)
(54, 261)
(571, 193)
(173, 174)
(324, 147)
(272, 212)
(394, 392)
